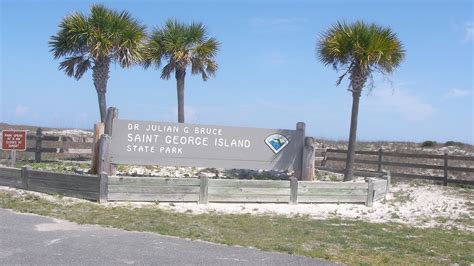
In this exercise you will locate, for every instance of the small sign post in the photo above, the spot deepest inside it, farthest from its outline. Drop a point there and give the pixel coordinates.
(13, 140)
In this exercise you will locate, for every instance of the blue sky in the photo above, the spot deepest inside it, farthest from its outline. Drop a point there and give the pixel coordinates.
(268, 73)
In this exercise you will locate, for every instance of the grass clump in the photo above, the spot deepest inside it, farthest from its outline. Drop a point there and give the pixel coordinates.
(350, 242)
(428, 144)
(56, 166)
(402, 197)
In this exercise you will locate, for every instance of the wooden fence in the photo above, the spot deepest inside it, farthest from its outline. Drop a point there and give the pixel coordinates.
(79, 186)
(38, 140)
(153, 189)
(384, 160)
(201, 190)
(204, 190)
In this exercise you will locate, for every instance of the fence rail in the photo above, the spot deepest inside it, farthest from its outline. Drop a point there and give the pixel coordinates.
(79, 186)
(60, 138)
(410, 155)
(381, 161)
(38, 139)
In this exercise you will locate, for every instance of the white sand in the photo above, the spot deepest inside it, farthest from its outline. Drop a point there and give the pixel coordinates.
(424, 205)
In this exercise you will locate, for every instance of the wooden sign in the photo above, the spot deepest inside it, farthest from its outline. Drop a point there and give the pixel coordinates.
(174, 144)
(14, 140)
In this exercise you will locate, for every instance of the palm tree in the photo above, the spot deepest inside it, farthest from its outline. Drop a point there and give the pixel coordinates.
(360, 49)
(181, 46)
(95, 41)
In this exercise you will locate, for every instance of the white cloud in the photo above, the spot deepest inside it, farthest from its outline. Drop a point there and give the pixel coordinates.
(21, 110)
(469, 32)
(455, 93)
(400, 102)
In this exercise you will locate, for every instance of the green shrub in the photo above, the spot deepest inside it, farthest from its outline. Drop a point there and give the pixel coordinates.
(454, 143)
(428, 144)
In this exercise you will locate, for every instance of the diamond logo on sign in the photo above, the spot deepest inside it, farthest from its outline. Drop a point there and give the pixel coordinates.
(276, 142)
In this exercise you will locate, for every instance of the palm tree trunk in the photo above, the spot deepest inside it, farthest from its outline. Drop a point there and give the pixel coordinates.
(349, 173)
(100, 76)
(102, 105)
(180, 75)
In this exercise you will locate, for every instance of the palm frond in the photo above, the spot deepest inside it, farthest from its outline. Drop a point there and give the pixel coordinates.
(82, 67)
(152, 51)
(72, 37)
(181, 46)
(167, 70)
(211, 67)
(75, 66)
(360, 46)
(105, 33)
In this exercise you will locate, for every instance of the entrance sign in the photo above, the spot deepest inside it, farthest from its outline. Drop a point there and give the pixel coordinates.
(14, 140)
(174, 144)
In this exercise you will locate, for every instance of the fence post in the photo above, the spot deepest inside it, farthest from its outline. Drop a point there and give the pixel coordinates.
(300, 126)
(39, 140)
(103, 187)
(112, 113)
(308, 159)
(370, 193)
(324, 154)
(293, 190)
(24, 176)
(379, 162)
(103, 163)
(389, 179)
(445, 179)
(12, 158)
(203, 190)
(98, 131)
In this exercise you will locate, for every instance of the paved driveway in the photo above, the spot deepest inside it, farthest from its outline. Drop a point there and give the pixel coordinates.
(32, 239)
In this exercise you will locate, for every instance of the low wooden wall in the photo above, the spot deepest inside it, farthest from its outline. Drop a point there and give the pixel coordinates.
(10, 177)
(380, 189)
(332, 192)
(206, 190)
(225, 190)
(201, 190)
(72, 185)
(153, 189)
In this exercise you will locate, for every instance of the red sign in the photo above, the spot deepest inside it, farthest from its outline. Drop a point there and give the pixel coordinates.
(14, 140)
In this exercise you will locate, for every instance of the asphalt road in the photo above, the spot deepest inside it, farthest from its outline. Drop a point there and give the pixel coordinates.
(33, 239)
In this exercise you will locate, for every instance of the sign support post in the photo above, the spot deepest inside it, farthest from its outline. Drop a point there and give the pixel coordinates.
(300, 126)
(12, 158)
(308, 159)
(112, 113)
(98, 131)
(103, 162)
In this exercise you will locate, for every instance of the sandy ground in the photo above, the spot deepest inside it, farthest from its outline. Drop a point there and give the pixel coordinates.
(423, 205)
(418, 204)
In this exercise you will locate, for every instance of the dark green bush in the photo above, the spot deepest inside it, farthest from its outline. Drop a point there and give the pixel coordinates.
(454, 143)
(428, 144)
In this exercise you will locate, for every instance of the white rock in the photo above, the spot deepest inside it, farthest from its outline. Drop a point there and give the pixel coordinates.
(206, 174)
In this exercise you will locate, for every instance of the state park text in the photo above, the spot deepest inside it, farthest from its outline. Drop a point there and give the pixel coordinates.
(175, 138)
